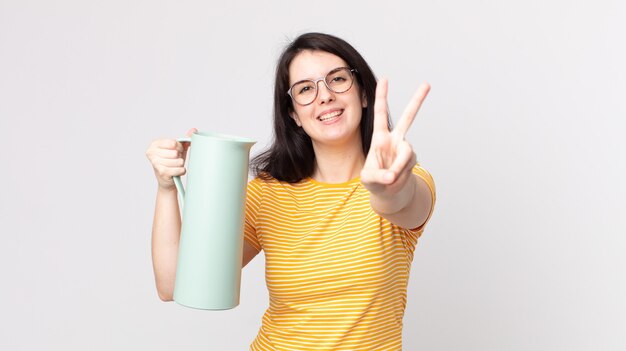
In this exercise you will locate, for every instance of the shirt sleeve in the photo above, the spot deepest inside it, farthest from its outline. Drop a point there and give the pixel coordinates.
(415, 233)
(425, 175)
(253, 201)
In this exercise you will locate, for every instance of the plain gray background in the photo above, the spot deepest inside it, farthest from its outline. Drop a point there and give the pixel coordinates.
(523, 131)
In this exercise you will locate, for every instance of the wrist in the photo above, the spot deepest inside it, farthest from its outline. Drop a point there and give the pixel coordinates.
(166, 188)
(387, 204)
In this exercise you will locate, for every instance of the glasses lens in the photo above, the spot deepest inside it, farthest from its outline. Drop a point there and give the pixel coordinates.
(303, 92)
(339, 80)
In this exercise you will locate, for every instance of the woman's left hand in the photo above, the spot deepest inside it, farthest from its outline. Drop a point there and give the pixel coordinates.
(387, 169)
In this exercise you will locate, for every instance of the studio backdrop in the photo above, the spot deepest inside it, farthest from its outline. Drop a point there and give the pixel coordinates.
(523, 131)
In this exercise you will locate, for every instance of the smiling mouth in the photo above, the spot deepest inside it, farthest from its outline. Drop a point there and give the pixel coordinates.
(330, 116)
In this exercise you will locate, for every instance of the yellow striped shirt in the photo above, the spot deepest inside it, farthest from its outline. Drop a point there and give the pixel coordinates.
(336, 271)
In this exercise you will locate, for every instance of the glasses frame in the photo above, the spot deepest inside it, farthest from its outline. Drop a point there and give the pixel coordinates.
(315, 81)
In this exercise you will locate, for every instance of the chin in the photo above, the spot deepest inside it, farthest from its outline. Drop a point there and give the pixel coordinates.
(338, 138)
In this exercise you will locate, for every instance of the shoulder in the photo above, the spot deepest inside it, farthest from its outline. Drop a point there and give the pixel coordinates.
(256, 185)
(262, 183)
(263, 180)
(421, 172)
(265, 184)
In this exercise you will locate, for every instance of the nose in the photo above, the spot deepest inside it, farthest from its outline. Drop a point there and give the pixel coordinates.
(324, 94)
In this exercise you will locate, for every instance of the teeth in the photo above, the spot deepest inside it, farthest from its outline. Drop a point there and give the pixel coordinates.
(330, 115)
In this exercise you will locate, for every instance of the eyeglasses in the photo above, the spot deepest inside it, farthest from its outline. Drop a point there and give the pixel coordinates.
(339, 80)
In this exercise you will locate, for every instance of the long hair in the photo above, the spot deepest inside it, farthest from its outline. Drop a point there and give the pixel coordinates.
(291, 157)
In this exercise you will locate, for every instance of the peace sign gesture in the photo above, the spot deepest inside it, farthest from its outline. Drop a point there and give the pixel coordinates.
(388, 165)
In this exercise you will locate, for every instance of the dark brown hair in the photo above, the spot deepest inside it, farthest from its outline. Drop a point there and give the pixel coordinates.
(290, 157)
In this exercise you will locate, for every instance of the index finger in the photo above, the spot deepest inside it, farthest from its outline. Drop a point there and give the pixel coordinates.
(380, 106)
(411, 110)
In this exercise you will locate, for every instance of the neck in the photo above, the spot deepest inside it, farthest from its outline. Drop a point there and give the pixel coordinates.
(338, 163)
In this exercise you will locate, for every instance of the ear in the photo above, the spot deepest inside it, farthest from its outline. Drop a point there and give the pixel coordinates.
(295, 117)
(363, 99)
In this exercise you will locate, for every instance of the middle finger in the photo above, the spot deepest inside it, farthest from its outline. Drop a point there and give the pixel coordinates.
(411, 110)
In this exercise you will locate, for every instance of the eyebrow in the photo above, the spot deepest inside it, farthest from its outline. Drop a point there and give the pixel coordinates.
(327, 73)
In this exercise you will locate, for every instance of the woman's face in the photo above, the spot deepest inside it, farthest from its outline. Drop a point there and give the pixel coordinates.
(332, 118)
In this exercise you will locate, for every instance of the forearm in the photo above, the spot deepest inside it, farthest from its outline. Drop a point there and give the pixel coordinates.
(165, 239)
(408, 208)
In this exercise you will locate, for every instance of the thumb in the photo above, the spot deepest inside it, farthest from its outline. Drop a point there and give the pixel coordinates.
(376, 176)
(186, 145)
(191, 131)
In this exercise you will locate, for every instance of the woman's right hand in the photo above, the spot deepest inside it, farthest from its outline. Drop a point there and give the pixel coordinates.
(167, 157)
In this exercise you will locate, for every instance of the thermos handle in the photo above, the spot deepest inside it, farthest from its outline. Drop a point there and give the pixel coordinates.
(177, 181)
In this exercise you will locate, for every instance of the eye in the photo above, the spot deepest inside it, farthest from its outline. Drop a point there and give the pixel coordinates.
(303, 88)
(338, 77)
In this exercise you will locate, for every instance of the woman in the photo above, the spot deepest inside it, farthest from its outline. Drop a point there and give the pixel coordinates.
(337, 205)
